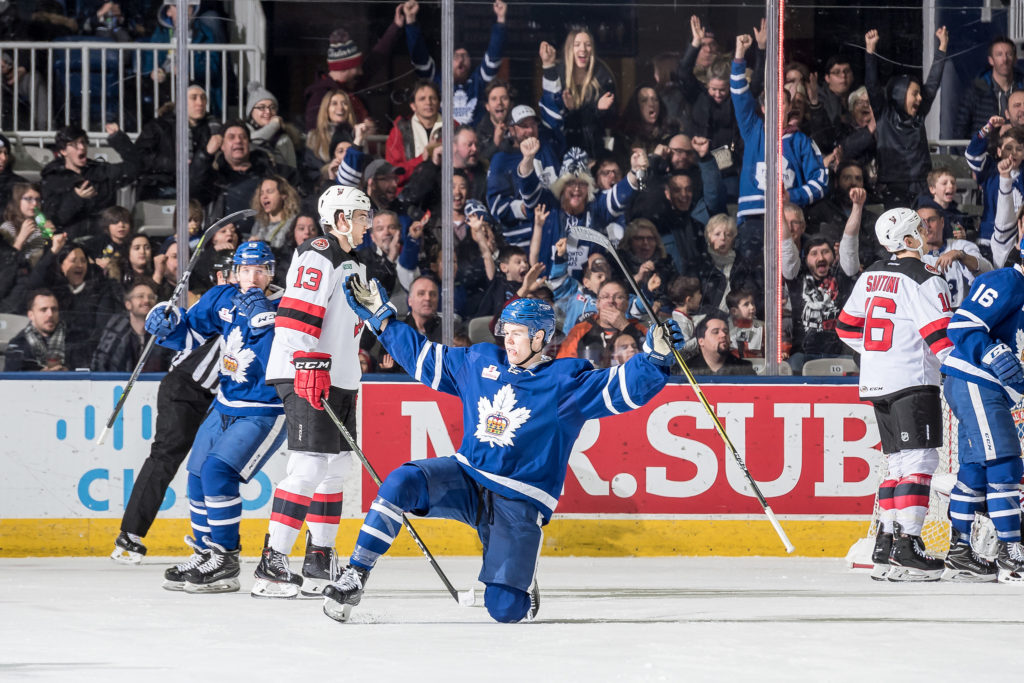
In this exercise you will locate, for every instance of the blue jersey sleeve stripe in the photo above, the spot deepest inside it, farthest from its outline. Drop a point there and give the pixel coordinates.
(625, 392)
(970, 316)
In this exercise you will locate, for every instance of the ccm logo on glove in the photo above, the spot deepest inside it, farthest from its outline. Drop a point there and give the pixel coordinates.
(312, 363)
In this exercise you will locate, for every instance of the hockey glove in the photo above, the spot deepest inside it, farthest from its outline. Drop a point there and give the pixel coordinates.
(162, 320)
(370, 302)
(312, 376)
(660, 342)
(255, 306)
(1003, 363)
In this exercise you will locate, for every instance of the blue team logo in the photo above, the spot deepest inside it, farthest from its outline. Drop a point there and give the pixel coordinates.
(499, 419)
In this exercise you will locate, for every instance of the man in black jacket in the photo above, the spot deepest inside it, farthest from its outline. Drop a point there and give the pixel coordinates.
(124, 336)
(715, 357)
(42, 344)
(988, 95)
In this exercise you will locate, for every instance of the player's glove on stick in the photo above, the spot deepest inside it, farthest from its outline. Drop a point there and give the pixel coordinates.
(1003, 363)
(370, 302)
(163, 320)
(312, 376)
(660, 342)
(255, 306)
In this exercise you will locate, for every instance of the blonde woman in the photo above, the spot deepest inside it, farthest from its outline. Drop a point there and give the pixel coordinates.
(277, 204)
(335, 111)
(588, 92)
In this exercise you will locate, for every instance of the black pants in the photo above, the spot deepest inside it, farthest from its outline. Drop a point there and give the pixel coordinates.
(181, 405)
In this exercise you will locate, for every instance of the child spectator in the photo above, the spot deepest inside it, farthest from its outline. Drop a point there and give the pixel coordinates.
(1010, 146)
(941, 190)
(746, 332)
(514, 279)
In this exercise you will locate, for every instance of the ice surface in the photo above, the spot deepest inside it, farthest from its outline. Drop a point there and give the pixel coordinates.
(623, 619)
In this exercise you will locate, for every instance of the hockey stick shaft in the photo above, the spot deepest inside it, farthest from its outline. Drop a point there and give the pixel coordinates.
(592, 235)
(405, 520)
(178, 289)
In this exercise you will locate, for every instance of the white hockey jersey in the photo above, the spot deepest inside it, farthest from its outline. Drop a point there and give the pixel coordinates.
(314, 314)
(958, 277)
(896, 318)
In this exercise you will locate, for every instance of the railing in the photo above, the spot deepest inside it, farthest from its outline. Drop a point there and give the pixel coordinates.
(91, 83)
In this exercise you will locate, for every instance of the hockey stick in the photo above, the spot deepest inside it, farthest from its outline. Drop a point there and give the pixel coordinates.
(591, 235)
(178, 289)
(464, 598)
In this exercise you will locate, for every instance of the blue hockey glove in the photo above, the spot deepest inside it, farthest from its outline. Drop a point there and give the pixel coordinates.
(660, 342)
(255, 306)
(163, 320)
(1003, 363)
(370, 302)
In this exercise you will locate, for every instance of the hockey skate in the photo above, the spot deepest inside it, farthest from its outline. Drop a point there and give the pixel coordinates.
(880, 555)
(174, 577)
(128, 549)
(319, 569)
(218, 574)
(274, 578)
(534, 601)
(1010, 562)
(908, 560)
(963, 565)
(344, 594)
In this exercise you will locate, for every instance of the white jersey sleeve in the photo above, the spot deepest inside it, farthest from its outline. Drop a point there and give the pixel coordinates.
(314, 314)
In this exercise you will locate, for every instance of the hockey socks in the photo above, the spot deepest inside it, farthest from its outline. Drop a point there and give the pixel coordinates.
(381, 526)
(223, 503)
(1004, 510)
(910, 500)
(197, 510)
(323, 517)
(286, 519)
(886, 505)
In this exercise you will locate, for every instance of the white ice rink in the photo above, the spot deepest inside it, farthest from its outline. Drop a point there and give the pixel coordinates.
(663, 619)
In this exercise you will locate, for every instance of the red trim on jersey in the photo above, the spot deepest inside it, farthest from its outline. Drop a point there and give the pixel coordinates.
(848, 319)
(940, 324)
(304, 306)
(286, 520)
(292, 324)
(292, 497)
(939, 345)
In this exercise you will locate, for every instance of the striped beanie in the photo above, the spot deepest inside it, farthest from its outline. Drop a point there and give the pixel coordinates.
(343, 53)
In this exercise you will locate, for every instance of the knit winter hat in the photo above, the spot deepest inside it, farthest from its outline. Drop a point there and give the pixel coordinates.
(256, 93)
(343, 53)
(475, 207)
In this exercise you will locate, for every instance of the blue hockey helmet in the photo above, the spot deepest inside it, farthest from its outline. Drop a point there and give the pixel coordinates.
(254, 253)
(534, 313)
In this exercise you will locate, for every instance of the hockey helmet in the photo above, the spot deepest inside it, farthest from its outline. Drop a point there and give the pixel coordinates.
(223, 262)
(253, 253)
(895, 224)
(345, 199)
(534, 313)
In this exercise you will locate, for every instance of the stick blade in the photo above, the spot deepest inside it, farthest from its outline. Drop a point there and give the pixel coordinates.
(585, 234)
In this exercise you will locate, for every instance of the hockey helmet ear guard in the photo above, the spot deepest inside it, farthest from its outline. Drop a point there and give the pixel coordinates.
(342, 198)
(895, 224)
(534, 313)
(253, 253)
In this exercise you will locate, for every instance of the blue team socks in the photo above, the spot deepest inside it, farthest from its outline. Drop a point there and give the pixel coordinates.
(223, 502)
(197, 510)
(964, 501)
(381, 526)
(1004, 510)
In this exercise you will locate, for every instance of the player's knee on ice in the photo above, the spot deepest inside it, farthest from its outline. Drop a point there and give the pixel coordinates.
(406, 488)
(506, 604)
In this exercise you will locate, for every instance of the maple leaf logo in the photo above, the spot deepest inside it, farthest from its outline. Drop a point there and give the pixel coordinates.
(236, 359)
(499, 419)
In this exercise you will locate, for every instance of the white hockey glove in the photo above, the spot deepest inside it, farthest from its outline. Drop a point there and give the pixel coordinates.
(662, 340)
(370, 302)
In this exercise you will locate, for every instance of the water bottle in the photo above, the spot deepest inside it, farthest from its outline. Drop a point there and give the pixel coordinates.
(41, 224)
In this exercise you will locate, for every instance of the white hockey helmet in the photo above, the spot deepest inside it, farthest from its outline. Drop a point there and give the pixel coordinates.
(895, 224)
(341, 198)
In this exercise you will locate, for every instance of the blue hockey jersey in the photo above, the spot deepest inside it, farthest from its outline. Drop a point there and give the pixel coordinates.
(987, 175)
(993, 312)
(244, 352)
(520, 425)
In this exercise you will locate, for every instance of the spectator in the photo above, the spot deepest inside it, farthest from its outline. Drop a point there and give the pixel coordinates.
(1010, 146)
(942, 191)
(988, 95)
(685, 296)
(158, 69)
(412, 140)
(592, 338)
(645, 123)
(833, 98)
(669, 89)
(515, 278)
(304, 227)
(76, 188)
(423, 188)
(122, 340)
(26, 95)
(1009, 225)
(140, 262)
(475, 257)
(589, 92)
(1014, 113)
(155, 145)
(468, 85)
(624, 347)
(381, 179)
(20, 228)
(574, 300)
(335, 122)
(492, 130)
(857, 140)
(165, 269)
(381, 255)
(424, 297)
(903, 155)
(109, 249)
(347, 70)
(715, 357)
(267, 130)
(828, 217)
(8, 178)
(644, 256)
(276, 204)
(726, 268)
(42, 345)
(958, 260)
(805, 172)
(746, 332)
(819, 286)
(108, 20)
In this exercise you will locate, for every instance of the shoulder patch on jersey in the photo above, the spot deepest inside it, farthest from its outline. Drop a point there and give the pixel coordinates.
(490, 372)
(320, 243)
(225, 315)
(931, 269)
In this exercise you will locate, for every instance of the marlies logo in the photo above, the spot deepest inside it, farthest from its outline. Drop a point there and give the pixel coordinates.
(500, 419)
(490, 372)
(236, 359)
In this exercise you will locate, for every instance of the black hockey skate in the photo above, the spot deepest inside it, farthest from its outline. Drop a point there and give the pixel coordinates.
(908, 560)
(127, 550)
(345, 593)
(174, 577)
(319, 569)
(1010, 562)
(880, 555)
(963, 565)
(218, 574)
(274, 578)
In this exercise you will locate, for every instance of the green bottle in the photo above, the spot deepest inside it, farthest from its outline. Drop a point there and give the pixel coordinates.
(41, 224)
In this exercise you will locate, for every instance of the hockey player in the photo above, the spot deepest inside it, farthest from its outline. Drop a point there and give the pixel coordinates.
(896, 318)
(984, 380)
(522, 412)
(315, 358)
(246, 425)
(181, 404)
